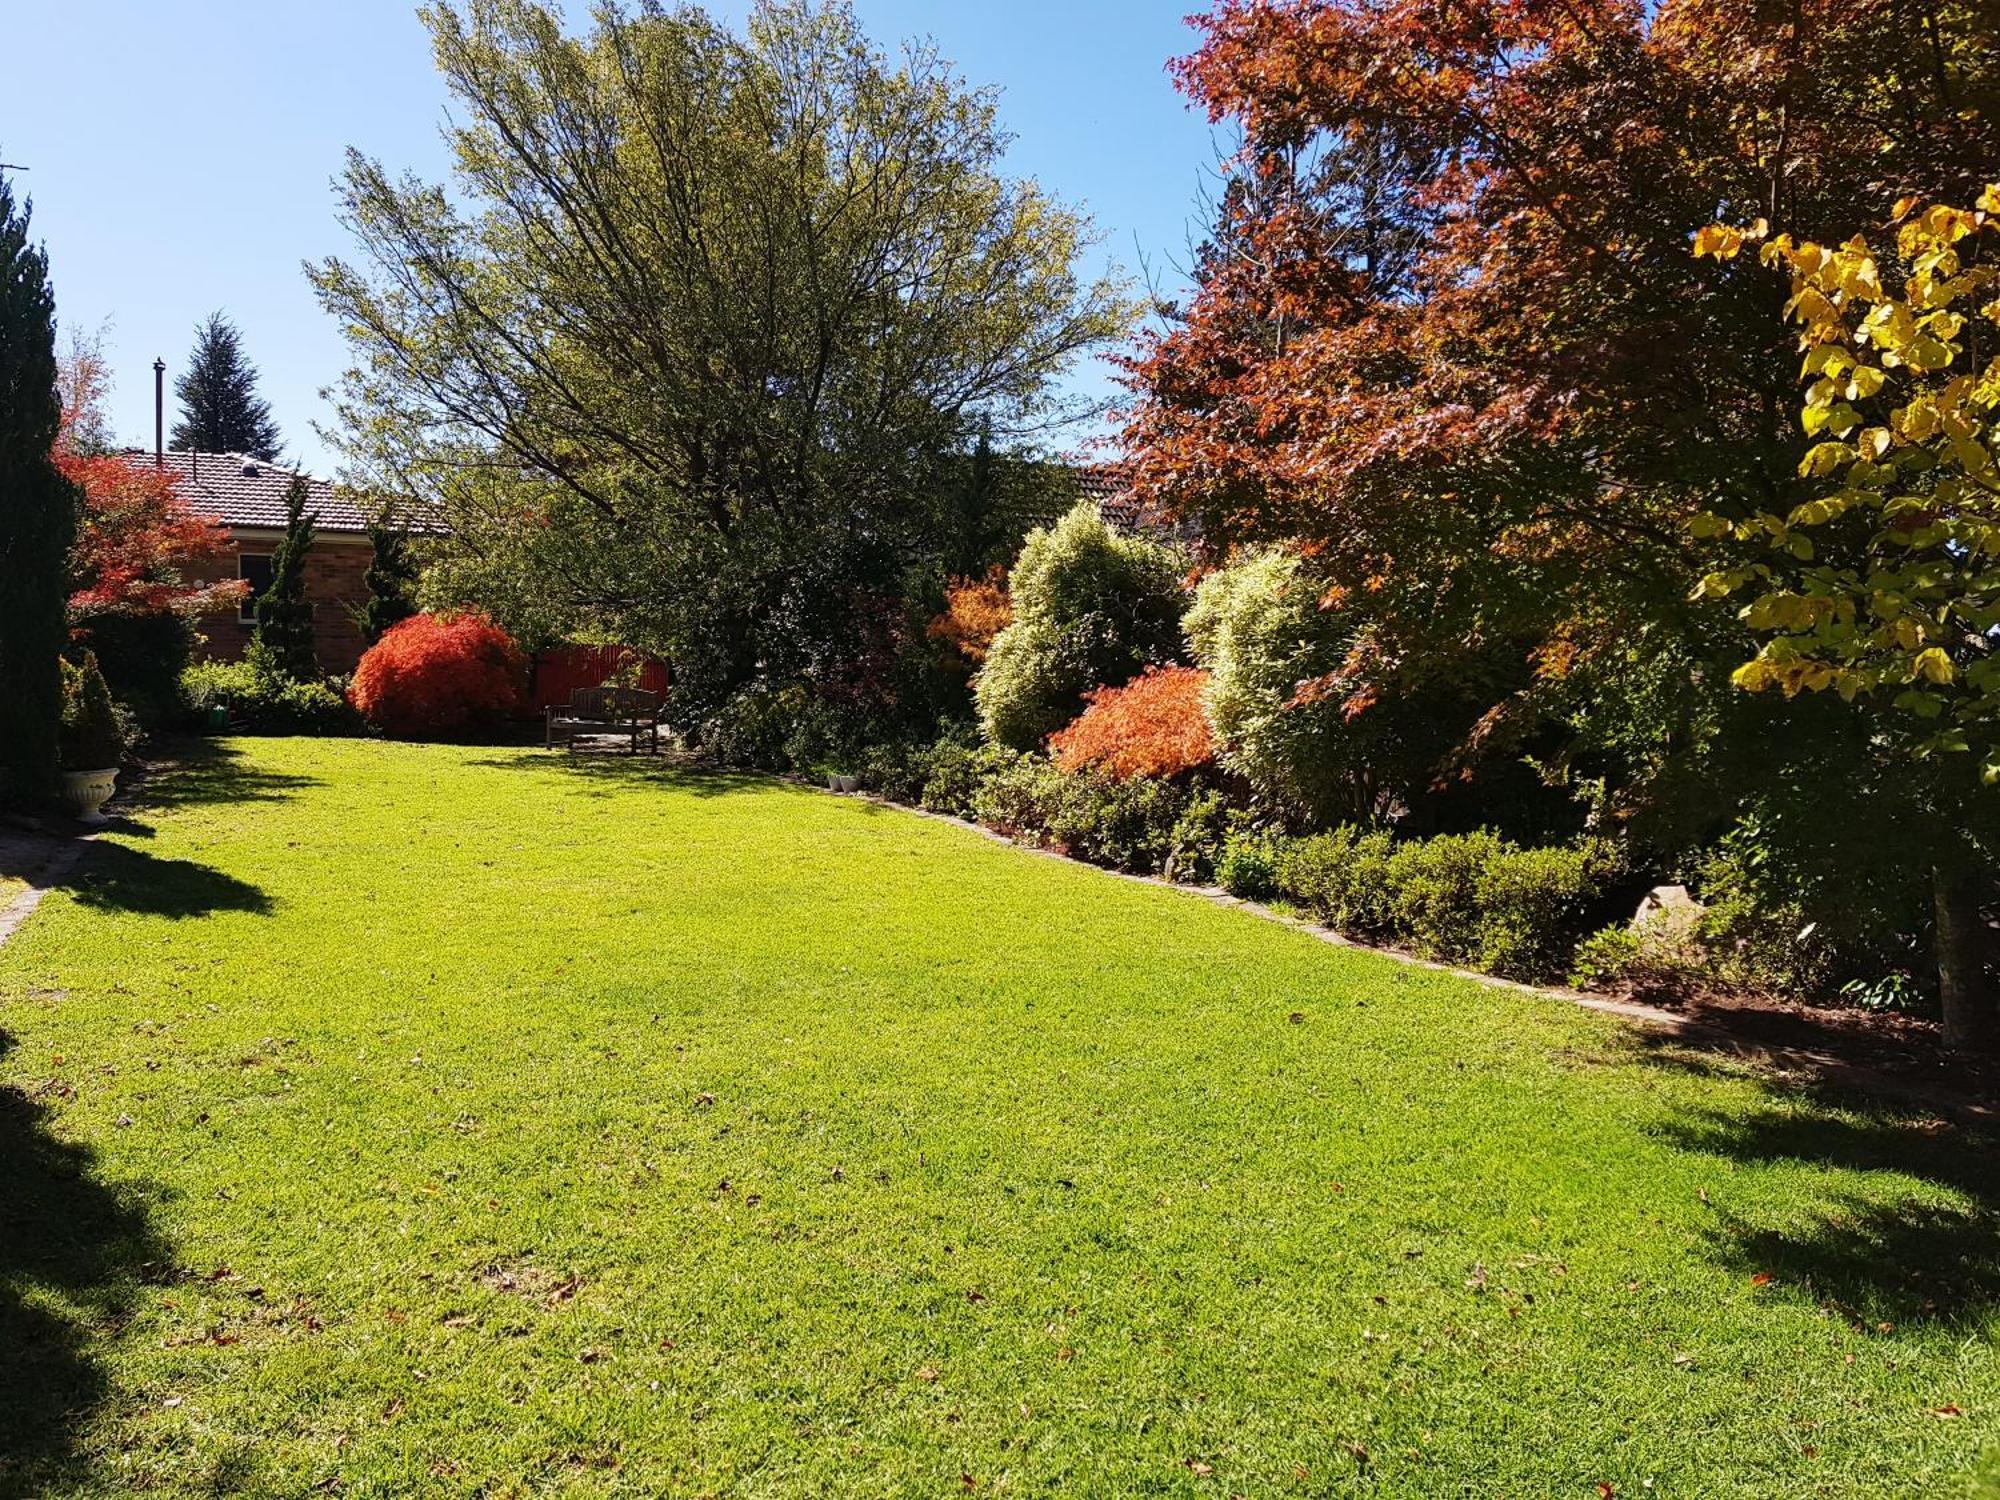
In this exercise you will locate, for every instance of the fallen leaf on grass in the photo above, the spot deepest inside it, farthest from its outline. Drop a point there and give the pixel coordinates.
(927, 1372)
(1762, 1278)
(1199, 1469)
(1948, 1410)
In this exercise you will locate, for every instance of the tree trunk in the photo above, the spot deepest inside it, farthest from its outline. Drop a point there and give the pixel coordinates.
(1967, 1001)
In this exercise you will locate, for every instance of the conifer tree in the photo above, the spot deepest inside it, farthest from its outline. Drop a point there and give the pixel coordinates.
(284, 639)
(391, 580)
(221, 411)
(37, 516)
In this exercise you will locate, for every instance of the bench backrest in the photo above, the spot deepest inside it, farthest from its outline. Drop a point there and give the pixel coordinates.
(613, 702)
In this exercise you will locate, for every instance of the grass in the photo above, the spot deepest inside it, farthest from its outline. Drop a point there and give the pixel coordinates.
(385, 1119)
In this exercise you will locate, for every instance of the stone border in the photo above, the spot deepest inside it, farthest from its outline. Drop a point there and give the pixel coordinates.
(62, 857)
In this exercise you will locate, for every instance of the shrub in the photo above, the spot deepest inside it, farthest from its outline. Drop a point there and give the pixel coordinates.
(1247, 865)
(261, 701)
(953, 772)
(1433, 890)
(443, 675)
(1091, 608)
(1341, 877)
(753, 724)
(1198, 837)
(88, 737)
(1533, 904)
(1258, 629)
(1155, 725)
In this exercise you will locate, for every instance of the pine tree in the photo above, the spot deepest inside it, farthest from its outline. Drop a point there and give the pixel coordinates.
(221, 411)
(391, 581)
(38, 511)
(284, 639)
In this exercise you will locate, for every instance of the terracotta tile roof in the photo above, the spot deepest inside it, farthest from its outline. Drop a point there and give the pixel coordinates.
(246, 491)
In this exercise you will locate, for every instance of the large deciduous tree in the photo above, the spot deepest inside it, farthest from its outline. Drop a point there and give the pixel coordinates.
(1447, 341)
(221, 411)
(693, 353)
(37, 515)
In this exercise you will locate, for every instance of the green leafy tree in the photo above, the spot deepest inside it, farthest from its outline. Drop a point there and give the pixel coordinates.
(38, 515)
(391, 581)
(692, 353)
(283, 643)
(221, 411)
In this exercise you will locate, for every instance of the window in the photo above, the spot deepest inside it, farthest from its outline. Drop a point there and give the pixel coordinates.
(254, 569)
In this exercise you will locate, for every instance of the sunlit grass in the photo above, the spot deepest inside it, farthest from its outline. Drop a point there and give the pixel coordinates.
(442, 1120)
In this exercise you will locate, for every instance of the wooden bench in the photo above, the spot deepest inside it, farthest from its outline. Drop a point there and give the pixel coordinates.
(631, 712)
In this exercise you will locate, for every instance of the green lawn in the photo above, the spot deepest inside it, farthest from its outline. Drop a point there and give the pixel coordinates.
(380, 1119)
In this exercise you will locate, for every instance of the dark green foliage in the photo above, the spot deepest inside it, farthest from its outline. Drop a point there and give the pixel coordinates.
(1340, 877)
(221, 411)
(284, 640)
(954, 771)
(263, 702)
(91, 738)
(391, 580)
(38, 516)
(1092, 608)
(1198, 839)
(143, 656)
(1248, 864)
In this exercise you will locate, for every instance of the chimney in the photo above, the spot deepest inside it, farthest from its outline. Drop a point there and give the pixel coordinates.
(159, 413)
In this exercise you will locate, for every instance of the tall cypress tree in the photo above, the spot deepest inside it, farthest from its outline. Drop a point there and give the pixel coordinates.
(221, 411)
(391, 580)
(38, 514)
(284, 639)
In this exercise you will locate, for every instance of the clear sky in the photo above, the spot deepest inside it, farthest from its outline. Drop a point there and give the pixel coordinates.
(180, 154)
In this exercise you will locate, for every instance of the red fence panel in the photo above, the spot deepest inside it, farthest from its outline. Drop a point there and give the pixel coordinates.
(562, 670)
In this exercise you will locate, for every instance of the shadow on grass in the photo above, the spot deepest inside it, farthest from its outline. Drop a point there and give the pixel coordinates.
(202, 772)
(1904, 1254)
(73, 1253)
(113, 877)
(605, 774)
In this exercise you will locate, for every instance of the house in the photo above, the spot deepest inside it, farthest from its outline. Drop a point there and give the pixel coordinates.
(247, 495)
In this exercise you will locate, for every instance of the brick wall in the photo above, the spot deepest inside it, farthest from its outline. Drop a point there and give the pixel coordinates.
(336, 570)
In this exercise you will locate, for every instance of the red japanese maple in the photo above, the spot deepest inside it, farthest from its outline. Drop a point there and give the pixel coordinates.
(438, 675)
(137, 540)
(1155, 725)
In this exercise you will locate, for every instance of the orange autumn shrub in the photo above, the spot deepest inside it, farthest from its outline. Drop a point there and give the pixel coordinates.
(438, 675)
(1155, 725)
(975, 611)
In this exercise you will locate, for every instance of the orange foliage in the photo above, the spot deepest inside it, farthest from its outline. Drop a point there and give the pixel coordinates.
(975, 611)
(1153, 726)
(435, 675)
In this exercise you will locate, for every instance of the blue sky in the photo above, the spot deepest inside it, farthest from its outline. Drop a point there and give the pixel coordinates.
(180, 155)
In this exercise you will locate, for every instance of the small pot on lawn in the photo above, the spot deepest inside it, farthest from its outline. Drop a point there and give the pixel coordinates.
(89, 743)
(837, 781)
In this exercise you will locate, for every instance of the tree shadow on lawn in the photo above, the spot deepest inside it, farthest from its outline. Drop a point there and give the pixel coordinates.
(1888, 1257)
(113, 877)
(607, 773)
(201, 772)
(65, 1238)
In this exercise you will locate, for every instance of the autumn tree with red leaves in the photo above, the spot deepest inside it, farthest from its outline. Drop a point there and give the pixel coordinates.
(1447, 342)
(1155, 725)
(138, 542)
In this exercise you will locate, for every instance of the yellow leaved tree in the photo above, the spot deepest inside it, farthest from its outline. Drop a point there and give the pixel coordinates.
(1881, 582)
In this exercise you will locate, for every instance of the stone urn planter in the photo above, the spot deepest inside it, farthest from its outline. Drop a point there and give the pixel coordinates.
(86, 792)
(836, 782)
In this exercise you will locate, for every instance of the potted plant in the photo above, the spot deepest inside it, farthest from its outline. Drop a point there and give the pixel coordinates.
(90, 743)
